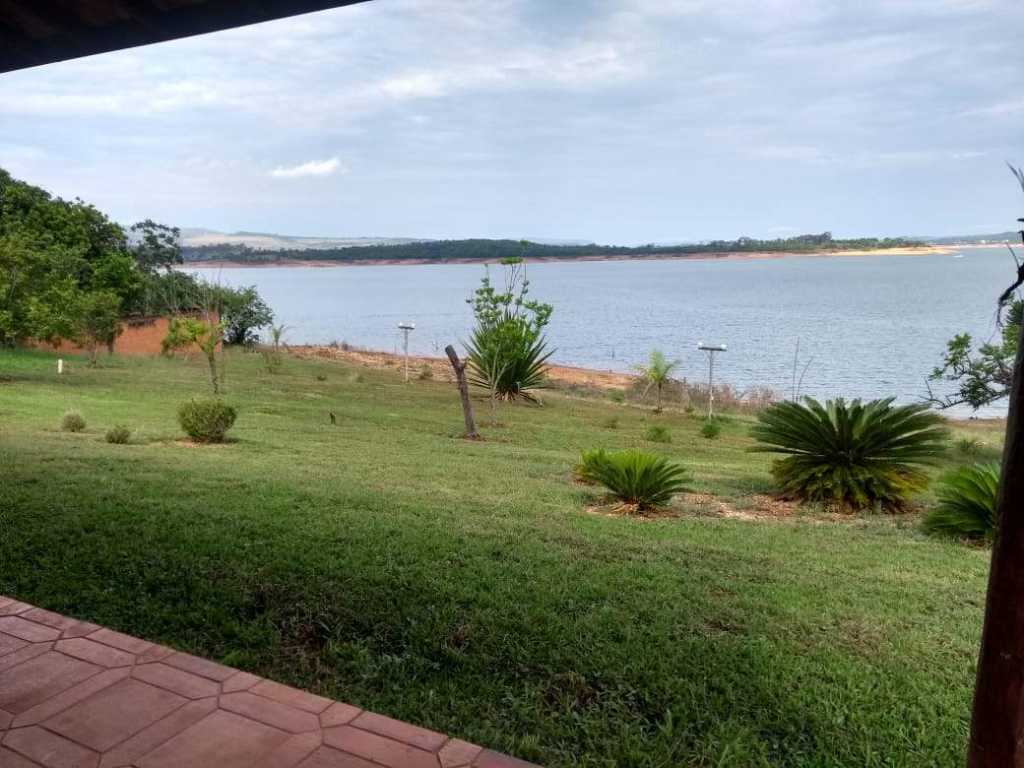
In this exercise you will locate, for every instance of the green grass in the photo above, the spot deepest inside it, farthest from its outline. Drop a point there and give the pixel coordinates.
(462, 585)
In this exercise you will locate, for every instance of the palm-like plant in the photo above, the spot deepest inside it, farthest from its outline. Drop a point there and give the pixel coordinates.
(967, 503)
(640, 479)
(852, 455)
(586, 470)
(508, 359)
(657, 372)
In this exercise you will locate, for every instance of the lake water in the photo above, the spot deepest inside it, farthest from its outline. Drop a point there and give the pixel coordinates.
(871, 326)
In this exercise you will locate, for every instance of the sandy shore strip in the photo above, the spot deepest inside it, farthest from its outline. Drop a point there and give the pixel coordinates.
(924, 250)
(441, 369)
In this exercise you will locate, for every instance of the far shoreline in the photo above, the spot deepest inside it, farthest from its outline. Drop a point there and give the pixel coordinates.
(922, 250)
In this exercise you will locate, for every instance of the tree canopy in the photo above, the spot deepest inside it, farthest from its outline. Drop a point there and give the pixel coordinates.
(985, 375)
(68, 272)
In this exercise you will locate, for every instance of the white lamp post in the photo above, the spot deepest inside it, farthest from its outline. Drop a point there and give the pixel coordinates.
(711, 349)
(405, 328)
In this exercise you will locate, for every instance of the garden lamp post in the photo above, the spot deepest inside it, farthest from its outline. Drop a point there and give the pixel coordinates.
(711, 349)
(405, 328)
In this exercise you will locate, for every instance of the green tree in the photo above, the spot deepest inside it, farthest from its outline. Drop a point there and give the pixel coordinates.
(98, 321)
(657, 373)
(53, 253)
(158, 246)
(243, 312)
(985, 375)
(206, 335)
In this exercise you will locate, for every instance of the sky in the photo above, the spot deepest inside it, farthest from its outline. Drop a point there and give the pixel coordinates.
(613, 121)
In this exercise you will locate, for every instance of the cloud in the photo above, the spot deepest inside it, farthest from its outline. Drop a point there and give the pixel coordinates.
(328, 167)
(554, 116)
(1000, 109)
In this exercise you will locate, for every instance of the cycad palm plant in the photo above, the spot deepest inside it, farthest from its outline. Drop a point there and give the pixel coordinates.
(586, 470)
(658, 373)
(640, 479)
(967, 503)
(852, 455)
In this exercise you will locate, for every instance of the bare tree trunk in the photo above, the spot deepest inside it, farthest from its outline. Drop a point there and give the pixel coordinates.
(211, 360)
(997, 723)
(467, 405)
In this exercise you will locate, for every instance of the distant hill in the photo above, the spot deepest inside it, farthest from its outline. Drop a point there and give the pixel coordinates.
(193, 237)
(494, 250)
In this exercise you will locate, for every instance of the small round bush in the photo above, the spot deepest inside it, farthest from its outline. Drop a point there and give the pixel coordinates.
(611, 422)
(72, 422)
(617, 396)
(711, 430)
(658, 434)
(118, 435)
(206, 420)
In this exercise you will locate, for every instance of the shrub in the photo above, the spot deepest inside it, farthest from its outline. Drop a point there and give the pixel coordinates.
(272, 360)
(711, 430)
(321, 377)
(508, 360)
(638, 478)
(426, 372)
(657, 373)
(617, 396)
(118, 435)
(658, 434)
(507, 353)
(585, 470)
(851, 455)
(612, 422)
(968, 446)
(967, 503)
(206, 420)
(72, 421)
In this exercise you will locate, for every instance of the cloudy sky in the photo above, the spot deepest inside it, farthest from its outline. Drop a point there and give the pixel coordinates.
(619, 121)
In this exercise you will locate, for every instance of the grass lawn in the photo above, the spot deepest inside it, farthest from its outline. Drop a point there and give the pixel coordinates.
(464, 586)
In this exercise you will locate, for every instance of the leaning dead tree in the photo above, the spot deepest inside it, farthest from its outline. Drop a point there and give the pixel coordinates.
(467, 404)
(997, 723)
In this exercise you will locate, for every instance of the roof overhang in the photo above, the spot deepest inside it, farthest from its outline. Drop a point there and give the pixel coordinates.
(34, 32)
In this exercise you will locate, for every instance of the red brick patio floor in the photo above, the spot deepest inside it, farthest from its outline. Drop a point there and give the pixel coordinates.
(76, 695)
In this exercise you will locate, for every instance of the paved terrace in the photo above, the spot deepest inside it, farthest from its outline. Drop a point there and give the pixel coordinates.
(76, 695)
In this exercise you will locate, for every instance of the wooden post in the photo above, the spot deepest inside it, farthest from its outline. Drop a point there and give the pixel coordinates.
(467, 405)
(997, 723)
(997, 720)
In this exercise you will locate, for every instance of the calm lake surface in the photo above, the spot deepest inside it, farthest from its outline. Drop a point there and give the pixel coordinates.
(870, 326)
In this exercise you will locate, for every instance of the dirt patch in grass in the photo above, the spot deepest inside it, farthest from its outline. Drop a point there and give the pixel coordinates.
(757, 507)
(618, 509)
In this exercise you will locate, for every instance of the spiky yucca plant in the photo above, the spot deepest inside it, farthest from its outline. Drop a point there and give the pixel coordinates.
(641, 479)
(851, 455)
(509, 360)
(967, 503)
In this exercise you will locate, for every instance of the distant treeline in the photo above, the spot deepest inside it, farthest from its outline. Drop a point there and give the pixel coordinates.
(495, 250)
